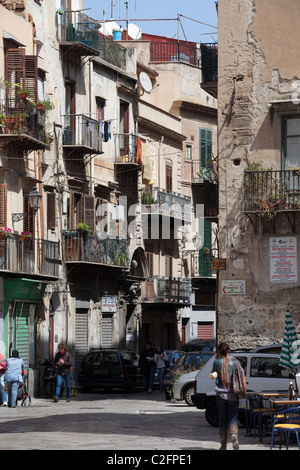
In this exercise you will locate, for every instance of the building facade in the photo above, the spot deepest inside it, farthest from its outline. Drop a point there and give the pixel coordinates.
(258, 118)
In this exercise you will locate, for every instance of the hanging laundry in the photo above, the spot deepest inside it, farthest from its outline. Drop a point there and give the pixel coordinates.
(101, 129)
(139, 152)
(107, 131)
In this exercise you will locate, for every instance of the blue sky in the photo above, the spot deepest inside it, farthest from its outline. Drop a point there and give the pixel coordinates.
(200, 10)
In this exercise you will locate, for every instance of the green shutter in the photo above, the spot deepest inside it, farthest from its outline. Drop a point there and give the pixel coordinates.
(205, 261)
(205, 149)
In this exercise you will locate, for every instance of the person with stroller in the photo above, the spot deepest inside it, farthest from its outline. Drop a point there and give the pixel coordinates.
(13, 377)
(63, 362)
(2, 383)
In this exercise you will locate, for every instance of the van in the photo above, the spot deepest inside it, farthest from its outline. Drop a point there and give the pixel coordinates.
(263, 373)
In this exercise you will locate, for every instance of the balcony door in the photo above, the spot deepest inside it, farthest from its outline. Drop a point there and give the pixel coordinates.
(124, 128)
(70, 118)
(291, 151)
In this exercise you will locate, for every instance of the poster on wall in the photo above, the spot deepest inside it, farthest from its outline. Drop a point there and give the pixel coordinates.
(283, 259)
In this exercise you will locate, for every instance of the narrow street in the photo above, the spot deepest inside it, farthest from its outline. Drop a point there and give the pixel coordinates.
(115, 421)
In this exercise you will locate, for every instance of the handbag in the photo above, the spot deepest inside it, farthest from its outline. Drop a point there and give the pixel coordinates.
(238, 381)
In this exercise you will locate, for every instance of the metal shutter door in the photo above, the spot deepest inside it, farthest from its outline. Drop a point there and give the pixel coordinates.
(106, 336)
(81, 338)
(22, 331)
(205, 330)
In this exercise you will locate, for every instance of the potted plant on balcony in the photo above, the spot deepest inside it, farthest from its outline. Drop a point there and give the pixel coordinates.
(25, 236)
(83, 229)
(44, 106)
(5, 232)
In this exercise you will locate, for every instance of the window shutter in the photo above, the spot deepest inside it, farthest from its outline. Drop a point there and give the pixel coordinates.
(205, 137)
(51, 211)
(15, 68)
(89, 211)
(205, 263)
(3, 205)
(71, 218)
(31, 75)
(28, 220)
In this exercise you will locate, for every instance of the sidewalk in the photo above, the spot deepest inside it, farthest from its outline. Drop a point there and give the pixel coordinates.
(116, 421)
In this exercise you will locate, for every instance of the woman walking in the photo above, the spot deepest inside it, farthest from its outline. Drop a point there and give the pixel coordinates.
(227, 401)
(160, 359)
(63, 362)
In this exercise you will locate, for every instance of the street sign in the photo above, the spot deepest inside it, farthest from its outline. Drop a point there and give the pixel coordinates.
(233, 287)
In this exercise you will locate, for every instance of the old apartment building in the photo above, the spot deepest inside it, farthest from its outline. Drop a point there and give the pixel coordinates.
(259, 160)
(92, 161)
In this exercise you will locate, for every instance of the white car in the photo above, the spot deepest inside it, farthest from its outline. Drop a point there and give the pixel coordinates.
(183, 387)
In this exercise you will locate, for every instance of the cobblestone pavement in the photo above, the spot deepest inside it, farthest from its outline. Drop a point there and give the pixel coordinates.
(115, 421)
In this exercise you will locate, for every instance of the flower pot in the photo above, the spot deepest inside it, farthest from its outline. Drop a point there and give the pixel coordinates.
(23, 238)
(40, 107)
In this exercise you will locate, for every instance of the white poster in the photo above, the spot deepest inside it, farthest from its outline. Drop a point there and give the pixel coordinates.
(283, 259)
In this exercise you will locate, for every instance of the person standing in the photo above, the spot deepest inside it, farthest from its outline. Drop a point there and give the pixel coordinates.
(147, 366)
(63, 362)
(160, 359)
(227, 401)
(13, 377)
(2, 383)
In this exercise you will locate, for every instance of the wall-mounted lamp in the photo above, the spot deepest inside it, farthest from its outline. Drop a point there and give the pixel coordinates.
(35, 198)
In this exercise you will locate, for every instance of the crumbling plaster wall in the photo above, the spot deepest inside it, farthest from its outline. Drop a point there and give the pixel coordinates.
(258, 64)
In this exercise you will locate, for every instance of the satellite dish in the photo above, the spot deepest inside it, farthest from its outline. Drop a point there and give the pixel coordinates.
(145, 82)
(134, 31)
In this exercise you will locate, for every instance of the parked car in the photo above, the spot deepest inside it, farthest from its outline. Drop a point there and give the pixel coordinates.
(263, 373)
(199, 345)
(183, 387)
(110, 368)
(173, 356)
(187, 362)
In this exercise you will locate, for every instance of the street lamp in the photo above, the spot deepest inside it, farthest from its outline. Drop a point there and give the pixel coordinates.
(35, 198)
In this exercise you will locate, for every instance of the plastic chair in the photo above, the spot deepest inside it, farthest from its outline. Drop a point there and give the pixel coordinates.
(259, 413)
(287, 420)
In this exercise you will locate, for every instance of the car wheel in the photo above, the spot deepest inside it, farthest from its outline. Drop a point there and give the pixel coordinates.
(212, 413)
(188, 392)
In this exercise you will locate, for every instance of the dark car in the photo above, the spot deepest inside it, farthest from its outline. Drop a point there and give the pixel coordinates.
(187, 362)
(110, 368)
(199, 345)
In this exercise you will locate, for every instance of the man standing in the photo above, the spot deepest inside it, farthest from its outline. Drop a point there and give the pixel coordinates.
(147, 366)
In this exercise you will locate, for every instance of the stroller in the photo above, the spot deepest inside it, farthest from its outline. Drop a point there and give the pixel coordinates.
(23, 395)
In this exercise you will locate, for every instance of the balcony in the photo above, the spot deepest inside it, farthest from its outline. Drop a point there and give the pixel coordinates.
(126, 150)
(201, 265)
(90, 249)
(34, 257)
(268, 193)
(209, 66)
(167, 290)
(175, 51)
(22, 126)
(81, 133)
(166, 203)
(79, 33)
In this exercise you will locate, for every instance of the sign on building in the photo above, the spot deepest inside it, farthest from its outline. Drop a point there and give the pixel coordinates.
(283, 259)
(233, 287)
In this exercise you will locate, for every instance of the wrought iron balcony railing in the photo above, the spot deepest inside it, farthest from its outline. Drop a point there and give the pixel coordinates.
(107, 251)
(272, 191)
(173, 290)
(167, 203)
(82, 132)
(80, 33)
(175, 51)
(34, 256)
(20, 119)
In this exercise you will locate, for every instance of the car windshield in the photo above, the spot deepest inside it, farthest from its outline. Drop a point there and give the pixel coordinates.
(100, 358)
(193, 361)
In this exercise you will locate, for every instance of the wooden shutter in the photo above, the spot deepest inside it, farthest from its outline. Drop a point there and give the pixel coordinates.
(205, 263)
(3, 205)
(30, 81)
(89, 211)
(28, 220)
(51, 211)
(205, 137)
(21, 69)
